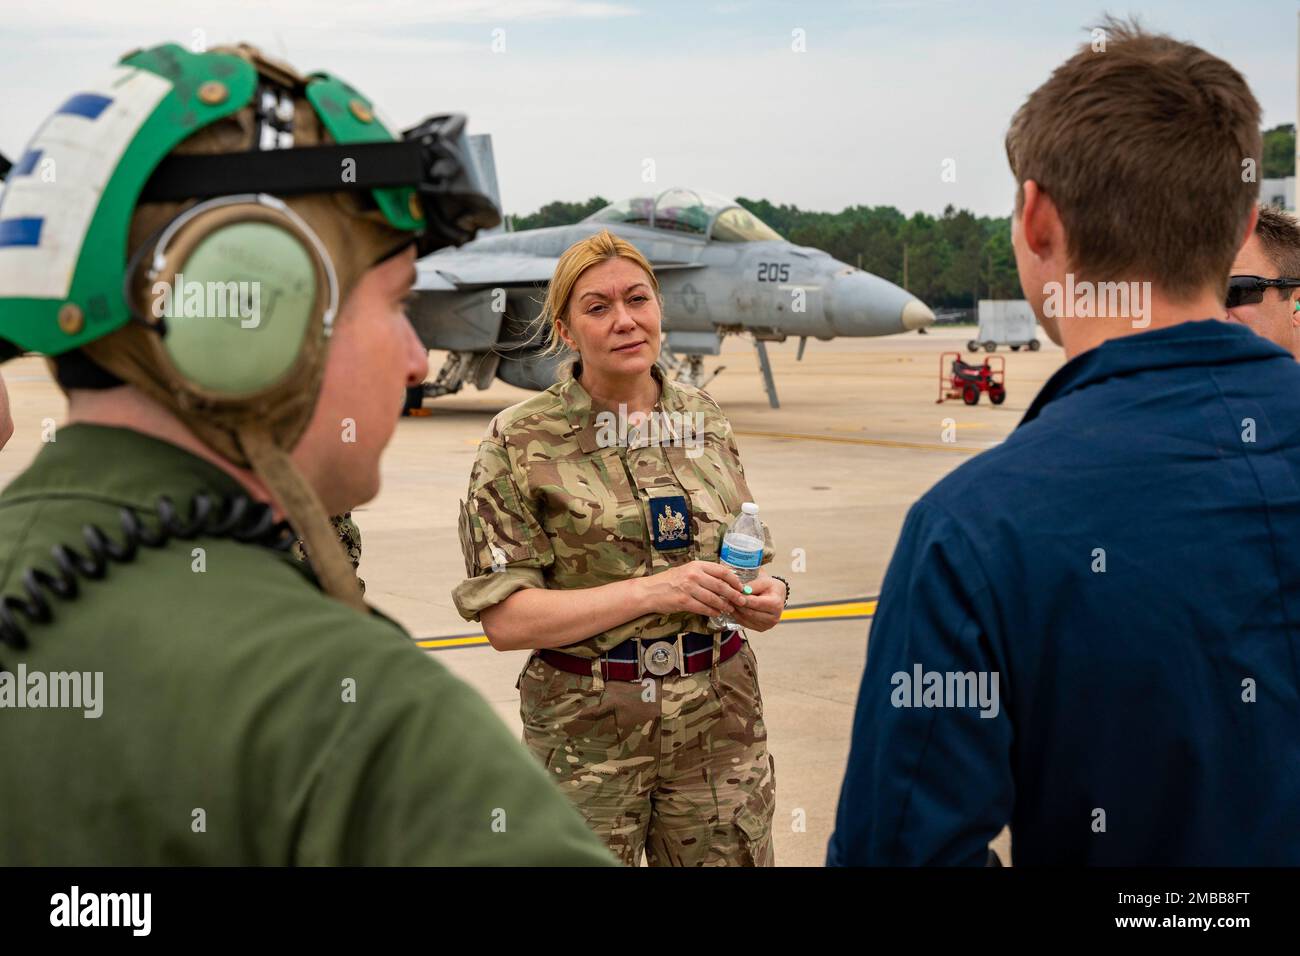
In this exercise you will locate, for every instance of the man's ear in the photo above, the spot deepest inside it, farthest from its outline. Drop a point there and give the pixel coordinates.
(1040, 223)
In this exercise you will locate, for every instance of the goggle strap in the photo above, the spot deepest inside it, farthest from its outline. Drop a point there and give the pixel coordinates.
(287, 172)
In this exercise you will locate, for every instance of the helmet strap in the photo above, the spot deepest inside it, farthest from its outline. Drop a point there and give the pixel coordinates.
(305, 513)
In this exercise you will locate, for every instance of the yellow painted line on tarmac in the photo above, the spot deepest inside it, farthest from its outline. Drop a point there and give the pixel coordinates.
(444, 643)
(881, 442)
(829, 611)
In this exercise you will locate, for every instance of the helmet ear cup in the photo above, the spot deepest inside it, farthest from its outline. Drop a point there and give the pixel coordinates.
(241, 294)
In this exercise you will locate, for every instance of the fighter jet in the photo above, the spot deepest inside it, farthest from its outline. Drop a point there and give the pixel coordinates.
(721, 270)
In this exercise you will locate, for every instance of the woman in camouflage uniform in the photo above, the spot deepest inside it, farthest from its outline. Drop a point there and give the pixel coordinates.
(591, 536)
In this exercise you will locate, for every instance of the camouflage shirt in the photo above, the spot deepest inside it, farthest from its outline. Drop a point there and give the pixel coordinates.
(563, 496)
(349, 536)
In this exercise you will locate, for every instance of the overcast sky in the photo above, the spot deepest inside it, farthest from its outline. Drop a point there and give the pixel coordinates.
(585, 91)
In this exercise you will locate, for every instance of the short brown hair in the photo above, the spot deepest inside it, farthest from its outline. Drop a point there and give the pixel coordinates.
(1279, 235)
(1141, 143)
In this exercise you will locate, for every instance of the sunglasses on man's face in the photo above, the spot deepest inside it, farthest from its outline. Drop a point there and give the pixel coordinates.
(1248, 290)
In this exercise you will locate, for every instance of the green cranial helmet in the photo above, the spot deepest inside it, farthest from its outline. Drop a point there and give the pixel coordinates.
(68, 202)
(187, 176)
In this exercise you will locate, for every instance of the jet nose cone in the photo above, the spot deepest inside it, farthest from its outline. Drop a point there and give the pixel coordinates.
(864, 304)
(917, 315)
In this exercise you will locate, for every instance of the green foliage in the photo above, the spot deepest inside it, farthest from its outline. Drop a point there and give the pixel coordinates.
(559, 214)
(1279, 152)
(953, 260)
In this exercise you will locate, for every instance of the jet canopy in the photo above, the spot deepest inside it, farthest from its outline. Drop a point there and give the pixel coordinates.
(696, 212)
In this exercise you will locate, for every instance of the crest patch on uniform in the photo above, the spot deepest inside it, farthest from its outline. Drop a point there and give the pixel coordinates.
(670, 522)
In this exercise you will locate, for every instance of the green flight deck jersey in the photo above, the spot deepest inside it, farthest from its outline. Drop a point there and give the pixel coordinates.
(172, 694)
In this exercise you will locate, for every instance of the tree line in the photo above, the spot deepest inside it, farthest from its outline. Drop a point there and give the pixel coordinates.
(951, 260)
(948, 261)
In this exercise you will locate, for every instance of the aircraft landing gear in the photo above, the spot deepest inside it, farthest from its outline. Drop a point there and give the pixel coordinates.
(688, 369)
(414, 401)
(769, 383)
(449, 380)
(451, 376)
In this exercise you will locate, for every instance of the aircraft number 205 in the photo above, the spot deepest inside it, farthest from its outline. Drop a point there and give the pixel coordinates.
(774, 272)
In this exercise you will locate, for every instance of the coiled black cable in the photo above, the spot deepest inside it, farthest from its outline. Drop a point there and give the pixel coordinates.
(237, 517)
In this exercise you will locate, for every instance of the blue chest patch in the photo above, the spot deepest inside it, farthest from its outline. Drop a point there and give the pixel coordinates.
(670, 523)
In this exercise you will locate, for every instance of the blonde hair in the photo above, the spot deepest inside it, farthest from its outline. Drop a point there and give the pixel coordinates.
(577, 259)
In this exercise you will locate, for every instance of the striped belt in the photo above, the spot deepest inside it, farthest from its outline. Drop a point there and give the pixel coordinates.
(661, 656)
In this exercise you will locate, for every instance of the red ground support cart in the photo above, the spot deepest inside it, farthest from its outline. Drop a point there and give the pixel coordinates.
(957, 379)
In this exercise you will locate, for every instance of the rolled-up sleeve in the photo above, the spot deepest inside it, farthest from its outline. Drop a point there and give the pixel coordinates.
(504, 544)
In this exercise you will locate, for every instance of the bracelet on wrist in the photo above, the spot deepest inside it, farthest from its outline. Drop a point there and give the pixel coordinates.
(785, 600)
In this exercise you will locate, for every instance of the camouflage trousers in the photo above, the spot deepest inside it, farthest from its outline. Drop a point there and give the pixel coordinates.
(675, 766)
(349, 534)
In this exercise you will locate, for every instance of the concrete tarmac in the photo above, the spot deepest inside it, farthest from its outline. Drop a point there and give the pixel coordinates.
(857, 439)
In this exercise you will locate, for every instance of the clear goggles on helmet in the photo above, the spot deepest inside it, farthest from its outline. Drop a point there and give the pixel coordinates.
(433, 158)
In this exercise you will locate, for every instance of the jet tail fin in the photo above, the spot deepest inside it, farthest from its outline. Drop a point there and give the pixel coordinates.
(480, 146)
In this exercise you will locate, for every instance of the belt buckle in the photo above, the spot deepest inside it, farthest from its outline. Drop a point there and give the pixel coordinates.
(661, 657)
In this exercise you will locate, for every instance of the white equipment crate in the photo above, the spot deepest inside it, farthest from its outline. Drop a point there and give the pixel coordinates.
(1007, 322)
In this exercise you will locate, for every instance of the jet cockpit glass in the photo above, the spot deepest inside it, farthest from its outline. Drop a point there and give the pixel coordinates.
(675, 210)
(689, 211)
(741, 225)
(682, 210)
(638, 212)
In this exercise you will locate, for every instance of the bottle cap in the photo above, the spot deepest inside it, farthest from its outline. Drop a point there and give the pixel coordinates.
(749, 508)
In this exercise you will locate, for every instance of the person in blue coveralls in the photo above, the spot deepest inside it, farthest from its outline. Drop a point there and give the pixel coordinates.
(1092, 632)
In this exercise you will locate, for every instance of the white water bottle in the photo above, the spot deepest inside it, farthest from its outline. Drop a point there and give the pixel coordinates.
(742, 551)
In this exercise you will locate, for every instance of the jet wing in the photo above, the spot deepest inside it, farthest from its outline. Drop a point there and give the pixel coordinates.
(451, 273)
(676, 266)
(459, 271)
